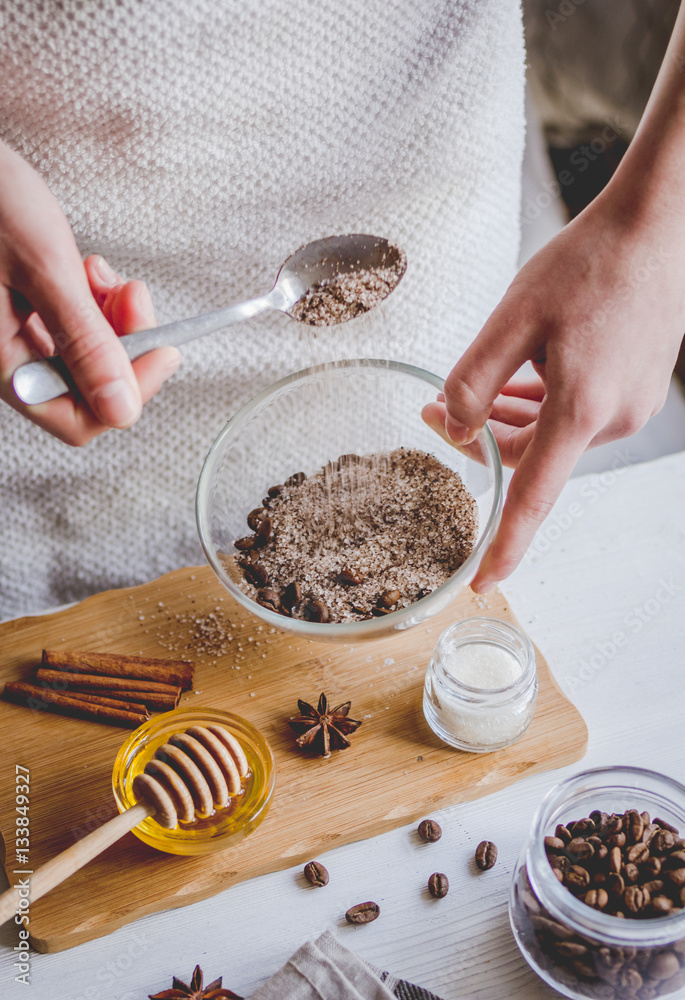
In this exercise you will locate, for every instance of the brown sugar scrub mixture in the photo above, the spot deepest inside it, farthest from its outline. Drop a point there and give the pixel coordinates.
(359, 539)
(348, 295)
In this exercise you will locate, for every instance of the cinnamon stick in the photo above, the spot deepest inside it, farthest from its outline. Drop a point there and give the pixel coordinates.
(173, 672)
(45, 699)
(138, 708)
(147, 699)
(99, 682)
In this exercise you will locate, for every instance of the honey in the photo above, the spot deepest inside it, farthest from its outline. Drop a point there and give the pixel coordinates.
(222, 828)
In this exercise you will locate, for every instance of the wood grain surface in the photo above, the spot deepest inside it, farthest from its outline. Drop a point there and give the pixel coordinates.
(395, 772)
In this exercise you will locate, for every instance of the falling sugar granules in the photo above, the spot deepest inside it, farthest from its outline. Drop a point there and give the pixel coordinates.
(359, 539)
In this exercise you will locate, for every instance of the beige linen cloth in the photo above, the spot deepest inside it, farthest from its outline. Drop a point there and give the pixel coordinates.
(325, 970)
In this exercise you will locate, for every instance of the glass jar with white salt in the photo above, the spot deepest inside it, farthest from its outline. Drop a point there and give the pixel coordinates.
(481, 685)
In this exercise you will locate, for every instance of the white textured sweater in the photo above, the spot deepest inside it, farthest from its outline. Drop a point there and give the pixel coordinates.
(195, 144)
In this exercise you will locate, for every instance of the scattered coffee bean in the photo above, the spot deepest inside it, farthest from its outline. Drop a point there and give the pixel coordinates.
(389, 598)
(244, 543)
(315, 873)
(275, 491)
(256, 575)
(438, 885)
(255, 517)
(486, 855)
(362, 913)
(351, 577)
(429, 830)
(296, 479)
(268, 599)
(291, 596)
(263, 533)
(316, 611)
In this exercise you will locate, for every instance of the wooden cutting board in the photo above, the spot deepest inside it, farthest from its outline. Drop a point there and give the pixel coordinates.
(395, 772)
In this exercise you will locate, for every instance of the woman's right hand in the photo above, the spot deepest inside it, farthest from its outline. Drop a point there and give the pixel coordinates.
(51, 302)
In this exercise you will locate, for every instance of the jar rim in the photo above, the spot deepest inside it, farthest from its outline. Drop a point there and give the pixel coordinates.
(559, 900)
(524, 679)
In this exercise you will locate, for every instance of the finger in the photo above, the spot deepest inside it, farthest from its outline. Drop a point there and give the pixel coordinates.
(38, 336)
(511, 441)
(533, 388)
(496, 354)
(72, 421)
(101, 276)
(96, 360)
(536, 484)
(513, 411)
(132, 309)
(433, 414)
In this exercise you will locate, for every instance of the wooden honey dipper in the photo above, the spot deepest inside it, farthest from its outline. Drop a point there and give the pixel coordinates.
(197, 771)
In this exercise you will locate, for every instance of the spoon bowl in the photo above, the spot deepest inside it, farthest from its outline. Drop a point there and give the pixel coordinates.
(304, 272)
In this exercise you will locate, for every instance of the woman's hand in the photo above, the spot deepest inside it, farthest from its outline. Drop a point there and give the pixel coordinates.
(600, 311)
(51, 302)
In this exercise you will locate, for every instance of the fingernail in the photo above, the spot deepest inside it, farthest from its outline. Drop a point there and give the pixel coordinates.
(456, 432)
(117, 404)
(483, 586)
(105, 272)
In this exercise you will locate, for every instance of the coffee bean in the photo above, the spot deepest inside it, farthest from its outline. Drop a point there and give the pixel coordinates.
(615, 824)
(617, 839)
(600, 819)
(486, 855)
(256, 575)
(577, 878)
(347, 460)
(615, 859)
(389, 598)
(291, 596)
(635, 826)
(316, 611)
(635, 898)
(554, 844)
(295, 480)
(654, 886)
(362, 913)
(629, 979)
(559, 862)
(631, 873)
(245, 543)
(254, 518)
(350, 577)
(552, 927)
(275, 491)
(268, 599)
(662, 842)
(651, 867)
(571, 949)
(429, 830)
(666, 826)
(580, 849)
(563, 834)
(380, 612)
(596, 898)
(677, 877)
(582, 827)
(665, 965)
(615, 884)
(438, 885)
(315, 873)
(263, 534)
(674, 860)
(637, 853)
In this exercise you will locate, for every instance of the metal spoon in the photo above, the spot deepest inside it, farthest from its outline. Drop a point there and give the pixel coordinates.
(317, 262)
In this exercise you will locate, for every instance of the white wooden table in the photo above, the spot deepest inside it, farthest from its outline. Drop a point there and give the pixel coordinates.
(603, 594)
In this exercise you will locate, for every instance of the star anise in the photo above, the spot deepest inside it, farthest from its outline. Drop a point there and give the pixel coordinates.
(323, 729)
(196, 991)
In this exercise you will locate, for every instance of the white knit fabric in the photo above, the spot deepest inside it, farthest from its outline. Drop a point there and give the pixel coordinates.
(195, 144)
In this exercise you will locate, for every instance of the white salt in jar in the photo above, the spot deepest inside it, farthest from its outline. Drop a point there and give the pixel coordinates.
(481, 685)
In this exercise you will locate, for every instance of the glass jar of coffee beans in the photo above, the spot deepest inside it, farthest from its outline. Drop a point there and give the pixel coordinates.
(597, 903)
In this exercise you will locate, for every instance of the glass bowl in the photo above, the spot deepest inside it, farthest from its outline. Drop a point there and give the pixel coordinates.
(310, 418)
(225, 826)
(577, 949)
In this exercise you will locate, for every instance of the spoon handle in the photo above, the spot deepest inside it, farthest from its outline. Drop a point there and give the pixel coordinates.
(40, 381)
